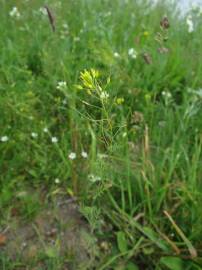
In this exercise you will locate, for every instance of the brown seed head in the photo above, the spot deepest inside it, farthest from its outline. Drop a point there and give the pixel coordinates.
(51, 18)
(165, 23)
(147, 58)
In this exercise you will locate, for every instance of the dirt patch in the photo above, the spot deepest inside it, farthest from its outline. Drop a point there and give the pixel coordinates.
(58, 231)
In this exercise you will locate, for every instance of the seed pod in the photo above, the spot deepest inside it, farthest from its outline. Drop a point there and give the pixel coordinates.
(163, 50)
(137, 118)
(165, 23)
(51, 18)
(147, 58)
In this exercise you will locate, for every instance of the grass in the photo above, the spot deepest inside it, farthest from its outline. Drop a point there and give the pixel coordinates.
(123, 133)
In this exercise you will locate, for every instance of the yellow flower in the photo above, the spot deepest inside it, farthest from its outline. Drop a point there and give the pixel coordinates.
(146, 34)
(95, 73)
(87, 79)
(120, 101)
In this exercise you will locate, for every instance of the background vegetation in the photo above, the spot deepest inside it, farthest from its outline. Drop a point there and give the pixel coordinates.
(106, 107)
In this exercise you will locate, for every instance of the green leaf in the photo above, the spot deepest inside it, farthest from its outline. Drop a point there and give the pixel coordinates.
(198, 260)
(172, 263)
(122, 242)
(154, 237)
(132, 266)
(51, 252)
(148, 250)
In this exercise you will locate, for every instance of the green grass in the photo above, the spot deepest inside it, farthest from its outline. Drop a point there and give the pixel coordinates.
(142, 176)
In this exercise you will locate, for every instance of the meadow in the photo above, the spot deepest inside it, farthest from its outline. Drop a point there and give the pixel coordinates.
(101, 106)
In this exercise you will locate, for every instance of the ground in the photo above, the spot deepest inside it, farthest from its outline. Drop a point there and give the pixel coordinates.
(58, 230)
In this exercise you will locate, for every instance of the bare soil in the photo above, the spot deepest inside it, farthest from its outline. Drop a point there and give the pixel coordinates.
(57, 231)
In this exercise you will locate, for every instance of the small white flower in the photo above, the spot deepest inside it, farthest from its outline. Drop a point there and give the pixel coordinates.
(72, 155)
(166, 94)
(104, 95)
(132, 53)
(43, 11)
(57, 181)
(93, 178)
(4, 138)
(14, 13)
(61, 85)
(190, 24)
(45, 130)
(116, 55)
(54, 139)
(84, 154)
(34, 135)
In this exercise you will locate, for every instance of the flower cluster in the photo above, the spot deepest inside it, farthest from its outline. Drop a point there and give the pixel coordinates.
(34, 135)
(14, 13)
(91, 85)
(62, 85)
(120, 101)
(132, 53)
(54, 139)
(104, 95)
(94, 178)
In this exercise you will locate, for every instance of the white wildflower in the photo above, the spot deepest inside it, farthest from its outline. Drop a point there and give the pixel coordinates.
(43, 10)
(45, 130)
(34, 135)
(104, 95)
(54, 139)
(14, 13)
(132, 53)
(116, 55)
(57, 181)
(4, 138)
(166, 94)
(61, 85)
(84, 154)
(94, 178)
(190, 24)
(72, 155)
